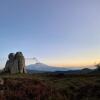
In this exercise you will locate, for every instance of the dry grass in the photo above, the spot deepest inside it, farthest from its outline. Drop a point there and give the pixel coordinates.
(50, 87)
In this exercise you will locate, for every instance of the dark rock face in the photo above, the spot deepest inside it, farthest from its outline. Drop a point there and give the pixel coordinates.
(15, 63)
(21, 62)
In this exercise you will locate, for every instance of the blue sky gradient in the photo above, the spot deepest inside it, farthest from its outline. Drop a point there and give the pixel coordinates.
(57, 32)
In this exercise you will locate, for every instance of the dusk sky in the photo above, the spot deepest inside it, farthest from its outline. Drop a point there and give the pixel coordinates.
(57, 32)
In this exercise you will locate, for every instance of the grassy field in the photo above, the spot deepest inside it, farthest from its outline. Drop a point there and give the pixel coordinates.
(49, 87)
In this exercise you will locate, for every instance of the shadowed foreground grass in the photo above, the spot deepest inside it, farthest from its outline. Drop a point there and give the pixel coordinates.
(50, 87)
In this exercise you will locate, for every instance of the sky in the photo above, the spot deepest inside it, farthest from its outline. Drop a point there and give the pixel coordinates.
(56, 32)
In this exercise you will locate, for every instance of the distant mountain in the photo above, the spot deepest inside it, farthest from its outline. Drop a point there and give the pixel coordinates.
(40, 68)
(44, 68)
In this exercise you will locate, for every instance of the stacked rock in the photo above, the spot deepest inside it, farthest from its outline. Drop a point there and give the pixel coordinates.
(15, 63)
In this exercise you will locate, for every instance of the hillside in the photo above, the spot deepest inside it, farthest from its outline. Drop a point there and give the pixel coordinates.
(49, 87)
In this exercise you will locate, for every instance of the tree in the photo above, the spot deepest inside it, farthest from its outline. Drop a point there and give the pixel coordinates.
(98, 66)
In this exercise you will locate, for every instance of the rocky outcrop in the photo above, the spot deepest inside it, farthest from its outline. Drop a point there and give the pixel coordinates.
(15, 63)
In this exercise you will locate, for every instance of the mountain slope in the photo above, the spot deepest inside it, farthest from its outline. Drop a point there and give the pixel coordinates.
(44, 67)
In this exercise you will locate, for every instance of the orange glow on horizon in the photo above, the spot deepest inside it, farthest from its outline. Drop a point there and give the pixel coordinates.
(74, 63)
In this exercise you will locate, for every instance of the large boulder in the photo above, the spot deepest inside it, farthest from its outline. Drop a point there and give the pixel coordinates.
(15, 63)
(21, 62)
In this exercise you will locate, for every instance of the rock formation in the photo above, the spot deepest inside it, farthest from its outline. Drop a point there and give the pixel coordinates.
(15, 63)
